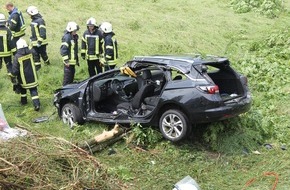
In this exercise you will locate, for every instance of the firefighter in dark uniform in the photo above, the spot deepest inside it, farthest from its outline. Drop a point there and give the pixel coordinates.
(38, 37)
(69, 52)
(15, 23)
(5, 45)
(91, 47)
(23, 69)
(110, 46)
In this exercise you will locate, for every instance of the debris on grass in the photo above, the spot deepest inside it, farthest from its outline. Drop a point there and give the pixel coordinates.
(46, 162)
(103, 140)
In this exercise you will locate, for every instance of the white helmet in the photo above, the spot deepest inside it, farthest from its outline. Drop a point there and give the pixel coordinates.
(32, 10)
(72, 26)
(2, 19)
(21, 43)
(106, 27)
(91, 22)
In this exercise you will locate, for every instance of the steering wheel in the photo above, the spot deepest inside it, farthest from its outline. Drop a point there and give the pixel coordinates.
(117, 87)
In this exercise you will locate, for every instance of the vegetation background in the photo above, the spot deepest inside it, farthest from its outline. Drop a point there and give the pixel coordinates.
(253, 34)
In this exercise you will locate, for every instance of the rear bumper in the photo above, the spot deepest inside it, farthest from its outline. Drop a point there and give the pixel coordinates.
(228, 111)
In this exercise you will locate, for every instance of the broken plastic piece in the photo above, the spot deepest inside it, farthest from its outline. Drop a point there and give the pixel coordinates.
(186, 183)
(40, 119)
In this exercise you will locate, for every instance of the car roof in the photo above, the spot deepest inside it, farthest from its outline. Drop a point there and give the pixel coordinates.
(181, 61)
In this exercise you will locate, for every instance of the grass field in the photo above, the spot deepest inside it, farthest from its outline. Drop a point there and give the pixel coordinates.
(218, 156)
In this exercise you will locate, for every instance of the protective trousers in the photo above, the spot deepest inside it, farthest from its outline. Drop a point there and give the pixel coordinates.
(34, 96)
(8, 63)
(37, 52)
(93, 66)
(69, 73)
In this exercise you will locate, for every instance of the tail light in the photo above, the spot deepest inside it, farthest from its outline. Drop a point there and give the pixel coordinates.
(213, 89)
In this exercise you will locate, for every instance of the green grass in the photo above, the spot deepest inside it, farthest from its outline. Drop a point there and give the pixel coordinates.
(216, 161)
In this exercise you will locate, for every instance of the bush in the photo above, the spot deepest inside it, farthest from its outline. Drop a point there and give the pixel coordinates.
(234, 135)
(269, 8)
(144, 136)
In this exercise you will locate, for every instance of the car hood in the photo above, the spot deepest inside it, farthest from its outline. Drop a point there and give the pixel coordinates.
(73, 85)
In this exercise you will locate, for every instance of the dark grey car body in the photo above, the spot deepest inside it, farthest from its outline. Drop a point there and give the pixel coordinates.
(186, 90)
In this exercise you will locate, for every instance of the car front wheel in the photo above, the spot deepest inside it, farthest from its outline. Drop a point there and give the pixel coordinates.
(71, 115)
(173, 125)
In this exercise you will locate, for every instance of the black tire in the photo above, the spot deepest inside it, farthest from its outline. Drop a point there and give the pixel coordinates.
(71, 114)
(173, 125)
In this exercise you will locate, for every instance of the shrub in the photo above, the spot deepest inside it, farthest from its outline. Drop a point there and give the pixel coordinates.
(269, 8)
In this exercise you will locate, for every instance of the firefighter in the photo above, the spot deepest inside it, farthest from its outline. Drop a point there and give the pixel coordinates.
(91, 47)
(38, 37)
(15, 23)
(23, 69)
(5, 44)
(110, 47)
(69, 52)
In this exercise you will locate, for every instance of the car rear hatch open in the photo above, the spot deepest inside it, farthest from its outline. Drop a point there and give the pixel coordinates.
(232, 86)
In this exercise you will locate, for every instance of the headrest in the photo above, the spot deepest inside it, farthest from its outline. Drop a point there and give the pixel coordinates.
(146, 74)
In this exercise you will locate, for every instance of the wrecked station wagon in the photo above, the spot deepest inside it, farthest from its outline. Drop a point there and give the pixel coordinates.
(171, 92)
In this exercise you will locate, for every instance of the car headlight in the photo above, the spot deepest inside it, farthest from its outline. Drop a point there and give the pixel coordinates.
(55, 98)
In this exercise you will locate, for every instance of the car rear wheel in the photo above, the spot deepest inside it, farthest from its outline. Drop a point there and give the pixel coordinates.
(173, 125)
(71, 115)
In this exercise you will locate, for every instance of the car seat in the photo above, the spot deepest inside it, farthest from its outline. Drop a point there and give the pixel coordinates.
(144, 78)
(135, 104)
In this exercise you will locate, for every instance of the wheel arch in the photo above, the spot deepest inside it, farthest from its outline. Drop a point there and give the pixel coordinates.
(171, 105)
(63, 102)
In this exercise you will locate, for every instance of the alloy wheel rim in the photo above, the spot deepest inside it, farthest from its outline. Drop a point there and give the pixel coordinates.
(67, 117)
(172, 126)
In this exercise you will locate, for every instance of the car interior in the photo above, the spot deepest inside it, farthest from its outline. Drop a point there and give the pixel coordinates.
(228, 82)
(127, 95)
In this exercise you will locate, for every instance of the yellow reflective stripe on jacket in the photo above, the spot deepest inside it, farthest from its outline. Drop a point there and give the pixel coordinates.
(109, 47)
(72, 60)
(115, 49)
(22, 75)
(97, 47)
(65, 44)
(38, 37)
(65, 57)
(34, 97)
(111, 62)
(84, 39)
(14, 21)
(19, 33)
(92, 57)
(5, 52)
(36, 31)
(96, 38)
